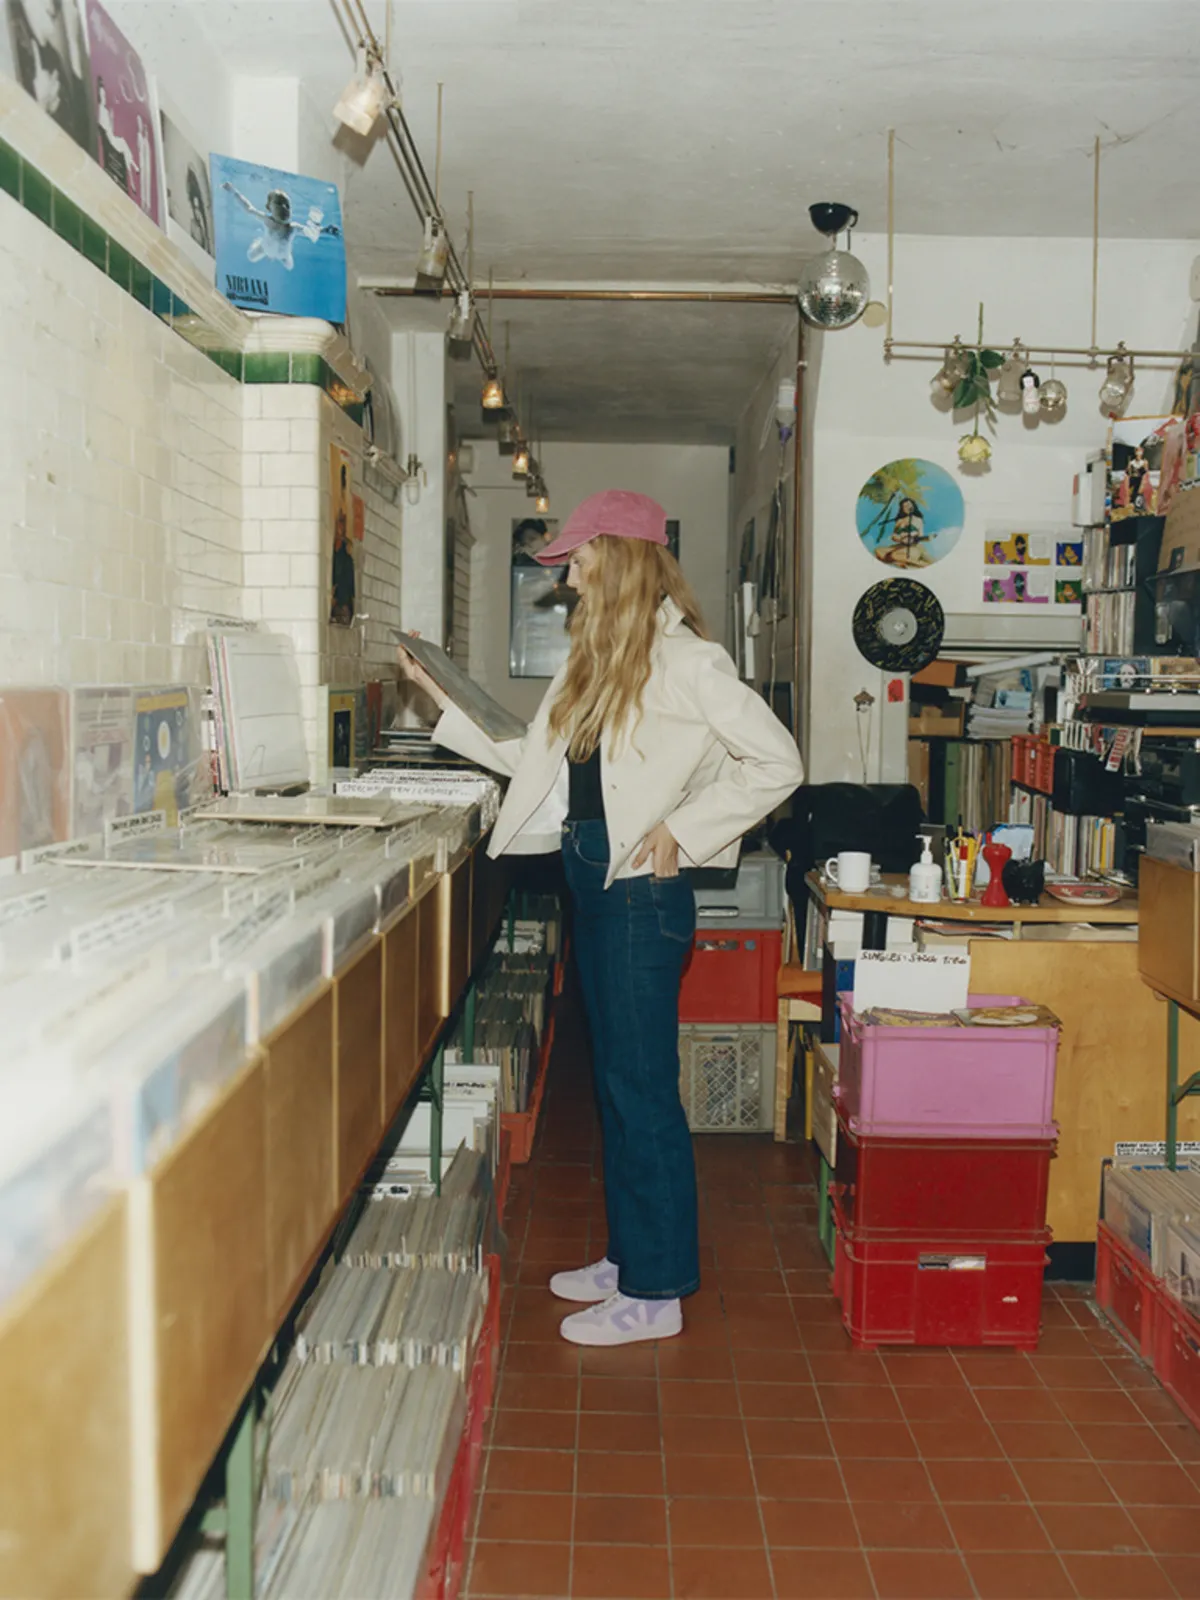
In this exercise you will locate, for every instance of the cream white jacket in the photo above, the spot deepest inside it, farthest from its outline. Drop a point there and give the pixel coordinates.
(708, 757)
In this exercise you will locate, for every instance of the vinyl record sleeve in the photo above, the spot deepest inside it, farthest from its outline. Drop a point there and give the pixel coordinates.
(486, 713)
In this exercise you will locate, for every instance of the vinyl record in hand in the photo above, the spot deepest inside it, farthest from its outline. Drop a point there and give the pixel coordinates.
(898, 625)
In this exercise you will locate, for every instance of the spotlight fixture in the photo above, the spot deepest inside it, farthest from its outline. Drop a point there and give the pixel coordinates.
(363, 99)
(542, 503)
(492, 398)
(435, 252)
(1118, 384)
(534, 484)
(462, 319)
(834, 288)
(506, 435)
(520, 464)
(953, 369)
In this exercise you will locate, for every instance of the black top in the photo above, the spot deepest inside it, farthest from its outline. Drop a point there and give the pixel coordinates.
(586, 798)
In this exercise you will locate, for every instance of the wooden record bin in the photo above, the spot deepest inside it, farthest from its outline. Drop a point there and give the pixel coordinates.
(433, 944)
(64, 1440)
(200, 1322)
(358, 1056)
(1169, 930)
(401, 974)
(301, 1175)
(454, 890)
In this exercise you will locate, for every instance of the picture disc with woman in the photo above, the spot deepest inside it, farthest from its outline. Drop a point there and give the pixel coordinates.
(909, 513)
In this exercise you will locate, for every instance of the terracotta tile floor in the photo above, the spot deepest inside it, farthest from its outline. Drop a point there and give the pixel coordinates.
(759, 1456)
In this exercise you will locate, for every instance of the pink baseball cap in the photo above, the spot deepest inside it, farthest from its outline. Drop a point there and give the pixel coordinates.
(619, 513)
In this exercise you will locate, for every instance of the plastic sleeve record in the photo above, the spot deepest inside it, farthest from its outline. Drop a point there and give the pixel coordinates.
(873, 609)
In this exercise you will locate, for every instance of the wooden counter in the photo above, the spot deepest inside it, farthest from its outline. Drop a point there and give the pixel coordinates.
(1048, 909)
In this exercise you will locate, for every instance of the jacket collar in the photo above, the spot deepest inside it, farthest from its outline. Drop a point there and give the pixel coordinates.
(670, 616)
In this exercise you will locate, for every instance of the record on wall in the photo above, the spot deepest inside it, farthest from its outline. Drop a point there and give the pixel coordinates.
(898, 625)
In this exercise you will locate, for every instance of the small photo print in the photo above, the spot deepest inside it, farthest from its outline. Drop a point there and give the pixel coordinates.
(1017, 549)
(1068, 553)
(188, 191)
(1017, 587)
(1068, 591)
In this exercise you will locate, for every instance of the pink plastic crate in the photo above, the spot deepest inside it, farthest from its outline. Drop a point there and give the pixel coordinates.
(956, 1083)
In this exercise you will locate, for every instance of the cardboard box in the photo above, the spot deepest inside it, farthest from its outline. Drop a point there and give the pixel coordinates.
(937, 722)
(1180, 549)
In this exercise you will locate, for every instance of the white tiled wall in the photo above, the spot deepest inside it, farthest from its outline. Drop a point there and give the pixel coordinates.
(120, 477)
(289, 545)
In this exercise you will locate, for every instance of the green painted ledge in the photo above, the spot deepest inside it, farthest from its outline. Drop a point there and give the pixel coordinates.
(32, 189)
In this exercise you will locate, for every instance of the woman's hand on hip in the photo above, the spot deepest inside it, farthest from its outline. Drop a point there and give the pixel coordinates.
(660, 846)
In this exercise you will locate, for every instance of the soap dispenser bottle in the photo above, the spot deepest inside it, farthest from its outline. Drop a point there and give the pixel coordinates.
(925, 878)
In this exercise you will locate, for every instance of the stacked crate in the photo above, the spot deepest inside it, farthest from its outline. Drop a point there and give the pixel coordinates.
(944, 1144)
(727, 1002)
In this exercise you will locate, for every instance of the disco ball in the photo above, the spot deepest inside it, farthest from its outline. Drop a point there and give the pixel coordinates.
(833, 290)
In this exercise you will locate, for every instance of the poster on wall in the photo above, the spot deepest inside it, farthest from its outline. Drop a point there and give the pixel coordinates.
(538, 641)
(279, 241)
(1068, 591)
(1002, 548)
(909, 513)
(341, 511)
(50, 61)
(162, 752)
(126, 126)
(34, 776)
(1017, 586)
(187, 190)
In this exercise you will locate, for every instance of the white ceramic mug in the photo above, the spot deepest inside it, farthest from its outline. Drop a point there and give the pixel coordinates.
(850, 871)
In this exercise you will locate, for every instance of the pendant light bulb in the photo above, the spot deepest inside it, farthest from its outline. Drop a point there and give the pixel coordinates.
(520, 464)
(435, 252)
(363, 99)
(542, 504)
(492, 398)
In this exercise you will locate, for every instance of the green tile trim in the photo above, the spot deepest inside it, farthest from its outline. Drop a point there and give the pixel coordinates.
(30, 187)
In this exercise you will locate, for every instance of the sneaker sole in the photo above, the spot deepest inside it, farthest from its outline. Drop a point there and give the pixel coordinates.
(580, 1299)
(642, 1336)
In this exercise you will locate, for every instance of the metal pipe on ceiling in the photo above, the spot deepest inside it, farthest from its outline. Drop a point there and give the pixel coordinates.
(668, 296)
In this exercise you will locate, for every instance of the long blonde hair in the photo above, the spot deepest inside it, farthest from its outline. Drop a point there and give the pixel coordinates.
(613, 630)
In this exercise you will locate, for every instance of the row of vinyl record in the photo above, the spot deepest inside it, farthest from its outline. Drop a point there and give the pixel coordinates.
(1071, 846)
(369, 1409)
(961, 780)
(73, 759)
(1108, 624)
(133, 981)
(1107, 565)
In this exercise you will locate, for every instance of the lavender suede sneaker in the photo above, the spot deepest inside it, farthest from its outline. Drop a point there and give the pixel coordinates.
(587, 1285)
(620, 1320)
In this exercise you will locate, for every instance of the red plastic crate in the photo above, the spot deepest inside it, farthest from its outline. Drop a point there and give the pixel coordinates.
(944, 1188)
(731, 976)
(1177, 1352)
(1128, 1292)
(918, 1292)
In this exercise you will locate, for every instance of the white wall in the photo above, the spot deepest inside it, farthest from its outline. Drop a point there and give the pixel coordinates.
(690, 481)
(868, 413)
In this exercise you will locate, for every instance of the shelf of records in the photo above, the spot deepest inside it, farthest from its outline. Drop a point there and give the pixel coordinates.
(378, 1404)
(209, 1029)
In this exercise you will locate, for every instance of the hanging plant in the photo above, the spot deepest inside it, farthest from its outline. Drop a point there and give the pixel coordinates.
(975, 387)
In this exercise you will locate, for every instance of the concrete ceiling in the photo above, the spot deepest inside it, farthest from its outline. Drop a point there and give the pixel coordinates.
(682, 141)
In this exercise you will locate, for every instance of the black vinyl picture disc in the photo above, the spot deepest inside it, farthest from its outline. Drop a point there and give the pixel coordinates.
(898, 625)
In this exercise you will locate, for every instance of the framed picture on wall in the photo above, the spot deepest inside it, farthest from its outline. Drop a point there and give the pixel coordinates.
(538, 642)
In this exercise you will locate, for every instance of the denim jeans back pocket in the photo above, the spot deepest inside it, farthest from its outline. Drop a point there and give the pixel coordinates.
(675, 904)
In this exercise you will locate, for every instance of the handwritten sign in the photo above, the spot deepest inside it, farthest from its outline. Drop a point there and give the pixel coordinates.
(915, 981)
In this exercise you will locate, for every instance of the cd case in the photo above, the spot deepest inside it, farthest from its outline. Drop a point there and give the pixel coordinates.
(486, 713)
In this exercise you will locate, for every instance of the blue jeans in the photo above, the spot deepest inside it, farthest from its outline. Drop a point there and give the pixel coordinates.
(632, 940)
